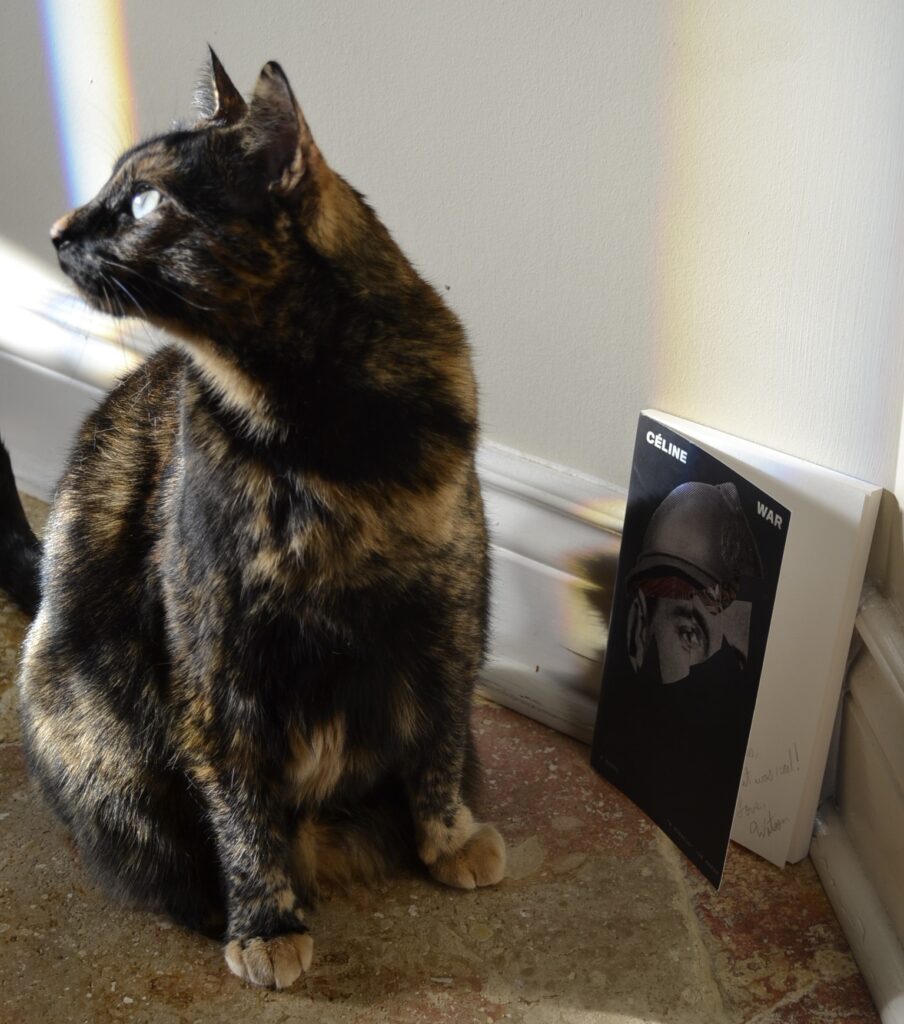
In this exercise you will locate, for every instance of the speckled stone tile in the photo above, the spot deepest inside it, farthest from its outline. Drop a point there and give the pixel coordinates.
(599, 920)
(774, 942)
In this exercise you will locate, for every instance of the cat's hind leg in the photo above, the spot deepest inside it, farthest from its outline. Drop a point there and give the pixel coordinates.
(150, 845)
(139, 829)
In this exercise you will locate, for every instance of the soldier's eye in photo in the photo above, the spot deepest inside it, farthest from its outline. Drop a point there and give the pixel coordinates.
(682, 633)
(685, 582)
(690, 635)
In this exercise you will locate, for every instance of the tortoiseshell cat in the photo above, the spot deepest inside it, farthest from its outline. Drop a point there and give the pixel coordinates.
(264, 588)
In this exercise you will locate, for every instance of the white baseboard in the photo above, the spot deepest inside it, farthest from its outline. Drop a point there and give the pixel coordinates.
(870, 784)
(858, 846)
(555, 538)
(867, 926)
(40, 411)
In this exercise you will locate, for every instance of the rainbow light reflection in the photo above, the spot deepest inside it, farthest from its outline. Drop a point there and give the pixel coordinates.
(87, 56)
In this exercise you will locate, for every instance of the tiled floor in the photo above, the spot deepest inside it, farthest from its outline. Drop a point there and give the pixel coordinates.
(599, 920)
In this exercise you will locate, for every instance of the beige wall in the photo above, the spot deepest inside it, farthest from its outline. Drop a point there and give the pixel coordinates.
(31, 178)
(515, 152)
(782, 269)
(692, 205)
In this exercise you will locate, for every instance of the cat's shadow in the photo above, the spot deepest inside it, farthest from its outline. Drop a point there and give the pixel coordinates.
(590, 916)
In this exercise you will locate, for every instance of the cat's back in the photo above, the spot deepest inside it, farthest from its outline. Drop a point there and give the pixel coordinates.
(100, 604)
(103, 518)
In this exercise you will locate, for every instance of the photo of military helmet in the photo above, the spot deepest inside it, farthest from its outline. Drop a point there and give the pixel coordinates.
(697, 548)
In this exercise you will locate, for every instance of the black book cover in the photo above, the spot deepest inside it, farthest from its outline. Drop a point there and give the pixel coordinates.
(697, 577)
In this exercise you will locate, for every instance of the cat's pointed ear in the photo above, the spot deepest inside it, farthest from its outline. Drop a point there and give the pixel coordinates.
(216, 98)
(279, 133)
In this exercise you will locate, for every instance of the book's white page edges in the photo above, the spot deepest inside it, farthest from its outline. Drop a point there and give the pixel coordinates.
(827, 543)
(809, 803)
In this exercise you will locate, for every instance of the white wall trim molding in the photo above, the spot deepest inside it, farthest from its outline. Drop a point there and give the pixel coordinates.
(879, 625)
(40, 411)
(867, 926)
(555, 539)
(859, 837)
(57, 356)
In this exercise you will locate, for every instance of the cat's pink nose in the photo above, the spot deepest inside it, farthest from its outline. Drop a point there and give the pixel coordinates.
(58, 229)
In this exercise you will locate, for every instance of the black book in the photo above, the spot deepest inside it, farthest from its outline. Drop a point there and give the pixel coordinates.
(698, 572)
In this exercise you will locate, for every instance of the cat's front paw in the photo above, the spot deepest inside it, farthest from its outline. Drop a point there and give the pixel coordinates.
(273, 963)
(479, 861)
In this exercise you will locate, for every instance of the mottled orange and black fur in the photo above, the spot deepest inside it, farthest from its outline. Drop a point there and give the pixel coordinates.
(264, 588)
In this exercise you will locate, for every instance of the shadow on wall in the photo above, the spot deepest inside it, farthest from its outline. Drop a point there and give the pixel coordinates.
(596, 572)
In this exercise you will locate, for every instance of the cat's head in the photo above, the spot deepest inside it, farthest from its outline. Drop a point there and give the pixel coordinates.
(236, 236)
(198, 223)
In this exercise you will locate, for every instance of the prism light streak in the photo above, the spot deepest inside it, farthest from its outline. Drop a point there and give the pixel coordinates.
(87, 58)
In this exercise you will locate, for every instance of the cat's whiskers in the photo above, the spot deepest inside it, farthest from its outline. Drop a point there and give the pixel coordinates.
(105, 293)
(130, 295)
(124, 313)
(116, 265)
(121, 132)
(143, 319)
(158, 284)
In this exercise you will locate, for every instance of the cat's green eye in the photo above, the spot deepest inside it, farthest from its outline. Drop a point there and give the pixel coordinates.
(145, 201)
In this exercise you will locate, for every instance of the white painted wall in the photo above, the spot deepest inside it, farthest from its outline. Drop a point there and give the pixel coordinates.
(782, 264)
(31, 177)
(512, 148)
(689, 205)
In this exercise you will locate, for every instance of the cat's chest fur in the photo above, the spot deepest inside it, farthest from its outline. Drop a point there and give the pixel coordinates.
(288, 626)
